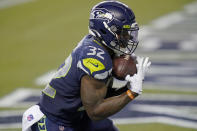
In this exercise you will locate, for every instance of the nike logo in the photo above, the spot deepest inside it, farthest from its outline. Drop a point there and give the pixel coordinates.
(96, 65)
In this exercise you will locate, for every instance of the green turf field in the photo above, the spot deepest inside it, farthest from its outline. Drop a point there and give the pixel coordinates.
(36, 37)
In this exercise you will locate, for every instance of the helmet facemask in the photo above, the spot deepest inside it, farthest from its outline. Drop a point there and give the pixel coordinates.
(126, 40)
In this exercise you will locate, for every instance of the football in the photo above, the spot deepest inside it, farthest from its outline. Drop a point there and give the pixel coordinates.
(124, 65)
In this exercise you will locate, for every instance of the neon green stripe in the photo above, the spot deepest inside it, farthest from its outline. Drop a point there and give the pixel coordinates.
(126, 26)
(98, 43)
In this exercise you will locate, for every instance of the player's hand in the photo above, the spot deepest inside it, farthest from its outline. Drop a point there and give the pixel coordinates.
(143, 65)
(136, 80)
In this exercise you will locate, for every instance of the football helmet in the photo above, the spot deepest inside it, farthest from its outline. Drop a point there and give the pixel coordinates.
(114, 24)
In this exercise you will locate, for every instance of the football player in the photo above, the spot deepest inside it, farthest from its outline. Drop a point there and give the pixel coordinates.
(75, 99)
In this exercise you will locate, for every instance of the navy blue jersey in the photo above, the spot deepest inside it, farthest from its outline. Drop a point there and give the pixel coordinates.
(60, 99)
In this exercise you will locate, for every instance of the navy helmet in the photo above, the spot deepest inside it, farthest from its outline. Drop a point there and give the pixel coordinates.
(114, 24)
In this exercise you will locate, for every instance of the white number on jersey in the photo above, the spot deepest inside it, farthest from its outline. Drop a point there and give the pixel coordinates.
(96, 51)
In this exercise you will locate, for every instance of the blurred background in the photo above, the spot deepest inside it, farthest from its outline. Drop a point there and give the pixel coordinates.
(37, 35)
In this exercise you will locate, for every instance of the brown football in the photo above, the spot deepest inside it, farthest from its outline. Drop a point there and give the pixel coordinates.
(124, 65)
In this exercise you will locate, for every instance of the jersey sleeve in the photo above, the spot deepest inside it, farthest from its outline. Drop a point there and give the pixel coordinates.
(94, 61)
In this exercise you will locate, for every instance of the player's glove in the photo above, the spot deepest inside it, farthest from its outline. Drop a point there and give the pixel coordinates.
(136, 80)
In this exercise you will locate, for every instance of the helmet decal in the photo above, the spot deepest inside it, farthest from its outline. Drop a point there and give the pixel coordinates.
(102, 14)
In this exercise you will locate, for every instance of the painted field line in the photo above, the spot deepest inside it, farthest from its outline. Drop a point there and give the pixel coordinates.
(10, 126)
(168, 97)
(175, 17)
(178, 111)
(191, 8)
(163, 120)
(168, 20)
(10, 3)
(45, 78)
(11, 113)
(18, 95)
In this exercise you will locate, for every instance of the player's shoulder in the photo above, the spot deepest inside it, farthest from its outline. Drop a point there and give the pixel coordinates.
(89, 47)
(93, 58)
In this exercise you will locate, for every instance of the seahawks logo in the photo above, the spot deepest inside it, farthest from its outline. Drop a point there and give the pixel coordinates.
(102, 14)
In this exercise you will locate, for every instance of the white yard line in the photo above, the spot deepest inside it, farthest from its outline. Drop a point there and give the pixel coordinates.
(10, 3)
(175, 17)
(10, 126)
(11, 100)
(163, 120)
(162, 87)
(45, 78)
(178, 111)
(11, 113)
(168, 20)
(167, 97)
(191, 8)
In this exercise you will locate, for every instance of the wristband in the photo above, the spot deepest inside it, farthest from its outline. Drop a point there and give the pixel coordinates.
(129, 93)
